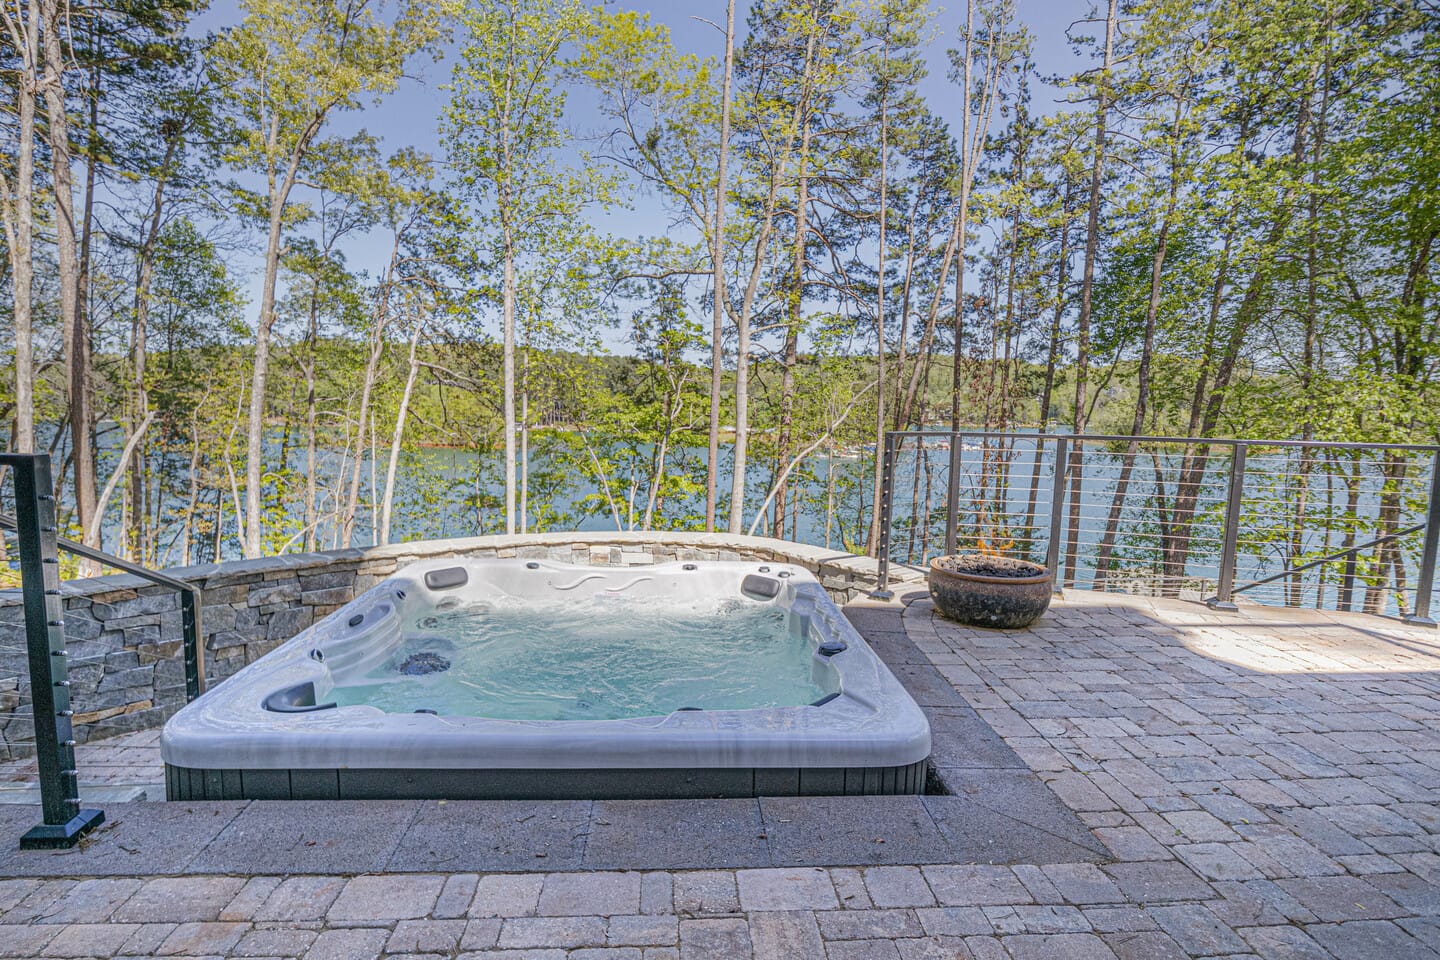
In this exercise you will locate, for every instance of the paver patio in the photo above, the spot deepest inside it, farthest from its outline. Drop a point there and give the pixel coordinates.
(1267, 784)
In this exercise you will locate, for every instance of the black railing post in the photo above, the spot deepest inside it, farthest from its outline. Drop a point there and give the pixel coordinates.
(952, 493)
(194, 649)
(1234, 494)
(1057, 510)
(64, 821)
(1421, 615)
(887, 488)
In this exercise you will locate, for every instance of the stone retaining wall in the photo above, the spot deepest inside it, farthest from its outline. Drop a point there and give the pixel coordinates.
(123, 635)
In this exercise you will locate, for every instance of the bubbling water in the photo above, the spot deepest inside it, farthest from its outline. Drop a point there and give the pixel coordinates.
(600, 659)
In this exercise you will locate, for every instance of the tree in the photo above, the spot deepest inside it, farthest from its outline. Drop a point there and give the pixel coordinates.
(505, 132)
(286, 69)
(22, 28)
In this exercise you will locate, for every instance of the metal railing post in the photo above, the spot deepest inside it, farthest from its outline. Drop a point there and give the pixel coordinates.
(64, 822)
(952, 493)
(887, 487)
(1057, 510)
(194, 649)
(1421, 615)
(1233, 495)
(1347, 582)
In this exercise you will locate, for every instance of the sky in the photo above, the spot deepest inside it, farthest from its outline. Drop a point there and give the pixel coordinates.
(410, 116)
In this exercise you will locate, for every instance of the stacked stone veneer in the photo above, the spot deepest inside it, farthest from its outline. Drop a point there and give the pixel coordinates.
(127, 669)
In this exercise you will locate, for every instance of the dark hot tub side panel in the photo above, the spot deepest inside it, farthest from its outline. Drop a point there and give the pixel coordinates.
(186, 783)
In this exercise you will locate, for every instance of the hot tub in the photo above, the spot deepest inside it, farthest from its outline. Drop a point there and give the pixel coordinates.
(511, 679)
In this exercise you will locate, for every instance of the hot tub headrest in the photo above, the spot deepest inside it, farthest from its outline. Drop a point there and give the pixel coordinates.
(446, 578)
(297, 699)
(757, 587)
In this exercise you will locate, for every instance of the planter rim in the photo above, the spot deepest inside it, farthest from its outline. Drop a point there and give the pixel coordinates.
(980, 578)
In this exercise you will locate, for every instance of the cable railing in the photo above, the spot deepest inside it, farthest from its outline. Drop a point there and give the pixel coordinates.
(1341, 526)
(49, 662)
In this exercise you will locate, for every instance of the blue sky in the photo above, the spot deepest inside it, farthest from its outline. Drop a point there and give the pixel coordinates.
(410, 116)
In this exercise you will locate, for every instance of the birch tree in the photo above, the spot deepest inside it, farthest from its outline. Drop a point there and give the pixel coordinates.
(505, 132)
(287, 69)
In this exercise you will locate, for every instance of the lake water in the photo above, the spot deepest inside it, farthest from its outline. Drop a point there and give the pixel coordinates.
(443, 493)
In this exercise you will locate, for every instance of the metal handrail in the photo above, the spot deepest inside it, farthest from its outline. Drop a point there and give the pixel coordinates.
(1291, 571)
(110, 560)
(1188, 441)
(190, 602)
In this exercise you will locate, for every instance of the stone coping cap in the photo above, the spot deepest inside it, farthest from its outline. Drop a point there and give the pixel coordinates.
(816, 559)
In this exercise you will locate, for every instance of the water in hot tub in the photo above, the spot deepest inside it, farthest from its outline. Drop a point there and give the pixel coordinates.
(601, 659)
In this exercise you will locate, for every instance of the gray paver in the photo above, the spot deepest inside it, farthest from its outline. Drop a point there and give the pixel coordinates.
(589, 894)
(785, 934)
(283, 837)
(1370, 940)
(383, 898)
(1065, 946)
(355, 944)
(706, 892)
(490, 836)
(502, 895)
(976, 886)
(425, 936)
(799, 888)
(868, 924)
(90, 939)
(641, 931)
(300, 898)
(714, 939)
(523, 932)
(638, 834)
(180, 899)
(202, 939)
(898, 887)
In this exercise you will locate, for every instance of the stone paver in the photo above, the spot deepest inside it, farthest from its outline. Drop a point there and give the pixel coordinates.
(378, 899)
(1267, 784)
(798, 888)
(590, 894)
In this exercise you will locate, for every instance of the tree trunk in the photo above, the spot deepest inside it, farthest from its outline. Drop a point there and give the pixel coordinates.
(508, 379)
(376, 349)
(872, 545)
(1142, 396)
(795, 307)
(19, 221)
(75, 332)
(278, 195)
(1087, 284)
(717, 257)
(1205, 409)
(1052, 357)
(747, 307)
(255, 433)
(139, 334)
(1294, 586)
(312, 334)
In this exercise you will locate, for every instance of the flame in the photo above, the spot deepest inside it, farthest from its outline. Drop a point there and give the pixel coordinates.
(993, 548)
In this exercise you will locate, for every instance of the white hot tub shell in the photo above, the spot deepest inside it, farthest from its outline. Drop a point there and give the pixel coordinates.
(272, 731)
